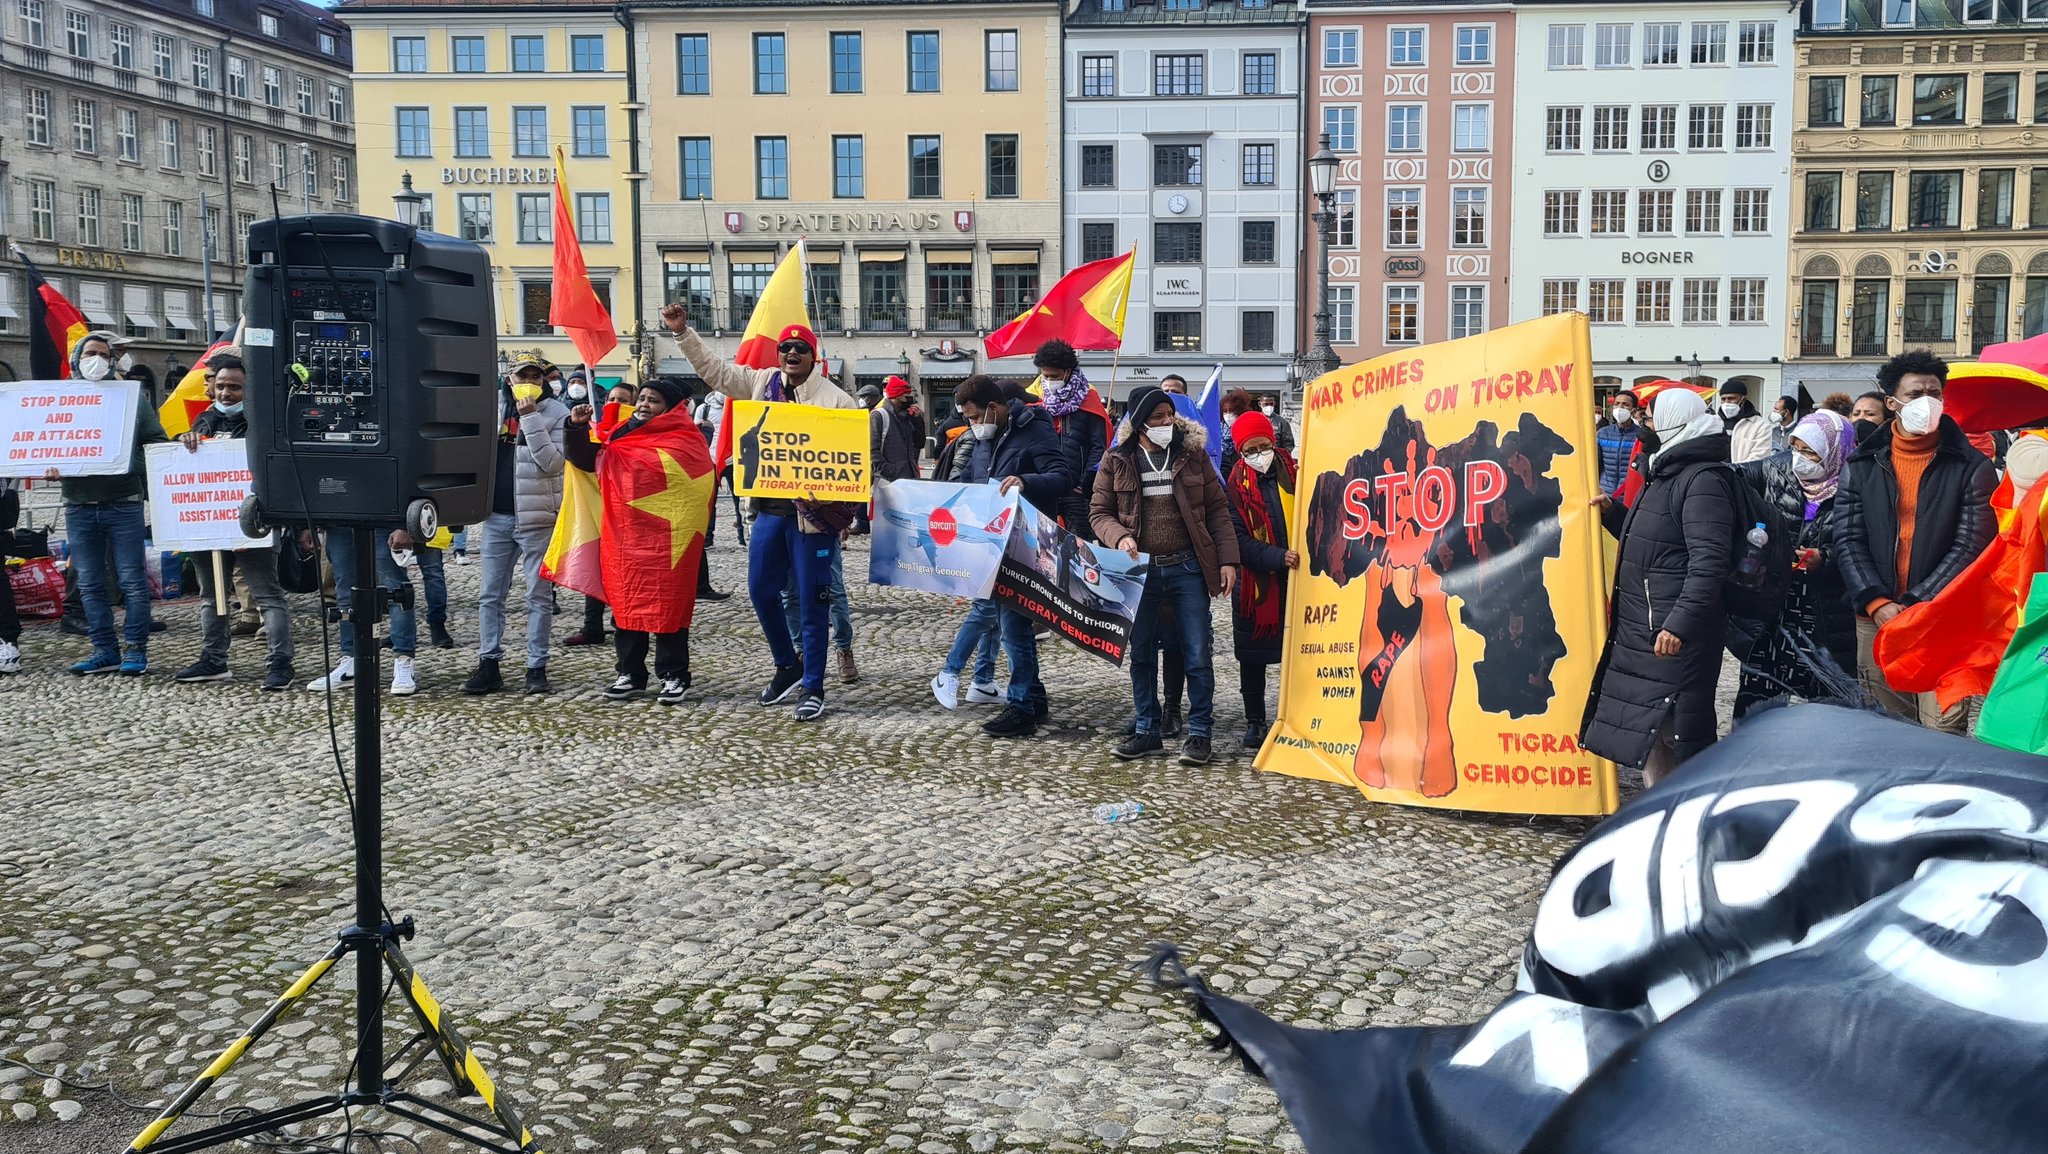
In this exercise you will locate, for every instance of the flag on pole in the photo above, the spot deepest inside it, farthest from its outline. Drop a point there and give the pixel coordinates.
(1085, 309)
(782, 303)
(189, 398)
(54, 325)
(575, 307)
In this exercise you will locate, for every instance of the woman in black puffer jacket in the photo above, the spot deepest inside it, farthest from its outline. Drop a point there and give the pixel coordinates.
(1653, 693)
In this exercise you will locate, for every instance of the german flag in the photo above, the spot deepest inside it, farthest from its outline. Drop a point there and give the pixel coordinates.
(1085, 309)
(54, 325)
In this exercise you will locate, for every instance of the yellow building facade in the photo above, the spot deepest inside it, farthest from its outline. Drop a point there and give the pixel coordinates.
(469, 102)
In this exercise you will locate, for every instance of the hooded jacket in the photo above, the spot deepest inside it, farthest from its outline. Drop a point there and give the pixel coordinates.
(1118, 502)
(1025, 448)
(117, 488)
(1749, 434)
(1952, 520)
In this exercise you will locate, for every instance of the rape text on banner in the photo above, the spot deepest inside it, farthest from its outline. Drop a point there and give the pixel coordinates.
(940, 537)
(1445, 624)
(1088, 594)
(799, 452)
(195, 496)
(79, 428)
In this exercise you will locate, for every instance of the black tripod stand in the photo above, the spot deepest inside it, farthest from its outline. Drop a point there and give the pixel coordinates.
(374, 942)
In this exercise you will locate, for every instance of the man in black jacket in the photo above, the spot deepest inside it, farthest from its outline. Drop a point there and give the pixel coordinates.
(1912, 512)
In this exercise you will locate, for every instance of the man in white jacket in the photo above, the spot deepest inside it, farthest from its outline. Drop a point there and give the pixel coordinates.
(1749, 432)
(784, 539)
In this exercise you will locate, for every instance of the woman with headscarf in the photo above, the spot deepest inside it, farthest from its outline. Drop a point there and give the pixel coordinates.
(1653, 694)
(1810, 649)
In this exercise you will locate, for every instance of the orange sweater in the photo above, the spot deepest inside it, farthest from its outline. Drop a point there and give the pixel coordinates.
(1910, 456)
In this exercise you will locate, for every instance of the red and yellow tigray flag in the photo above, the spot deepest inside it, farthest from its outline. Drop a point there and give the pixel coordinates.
(1085, 309)
(189, 398)
(54, 326)
(574, 558)
(781, 304)
(574, 307)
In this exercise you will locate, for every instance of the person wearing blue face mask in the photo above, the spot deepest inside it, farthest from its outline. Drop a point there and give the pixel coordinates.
(258, 566)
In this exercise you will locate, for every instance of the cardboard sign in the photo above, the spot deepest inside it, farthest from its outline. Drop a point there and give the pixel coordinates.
(800, 452)
(195, 496)
(940, 537)
(79, 428)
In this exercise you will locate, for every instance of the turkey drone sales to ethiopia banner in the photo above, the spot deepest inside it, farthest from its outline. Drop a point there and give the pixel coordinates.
(1449, 612)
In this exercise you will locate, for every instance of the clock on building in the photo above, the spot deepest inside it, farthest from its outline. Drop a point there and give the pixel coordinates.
(1176, 204)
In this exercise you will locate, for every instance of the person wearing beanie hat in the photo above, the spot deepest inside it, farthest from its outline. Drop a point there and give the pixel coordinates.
(895, 434)
(791, 544)
(1261, 491)
(1749, 432)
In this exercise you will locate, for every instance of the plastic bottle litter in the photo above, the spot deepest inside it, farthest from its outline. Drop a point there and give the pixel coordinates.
(1119, 811)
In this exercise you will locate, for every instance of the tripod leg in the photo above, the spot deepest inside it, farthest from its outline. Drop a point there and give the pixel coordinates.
(235, 1050)
(464, 1070)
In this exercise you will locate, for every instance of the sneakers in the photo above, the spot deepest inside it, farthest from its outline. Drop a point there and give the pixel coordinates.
(278, 677)
(1139, 745)
(440, 637)
(848, 671)
(10, 657)
(811, 707)
(784, 684)
(134, 663)
(1255, 732)
(623, 689)
(486, 679)
(1195, 750)
(203, 670)
(583, 637)
(673, 691)
(402, 684)
(97, 663)
(946, 687)
(1011, 722)
(985, 694)
(343, 676)
(537, 681)
(459, 557)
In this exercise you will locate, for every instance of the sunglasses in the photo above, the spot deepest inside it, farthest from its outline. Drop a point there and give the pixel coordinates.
(792, 347)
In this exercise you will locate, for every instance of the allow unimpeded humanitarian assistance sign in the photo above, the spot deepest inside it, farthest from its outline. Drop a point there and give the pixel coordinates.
(794, 451)
(195, 496)
(79, 428)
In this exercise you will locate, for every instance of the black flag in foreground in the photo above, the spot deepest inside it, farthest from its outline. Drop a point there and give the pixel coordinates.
(1828, 933)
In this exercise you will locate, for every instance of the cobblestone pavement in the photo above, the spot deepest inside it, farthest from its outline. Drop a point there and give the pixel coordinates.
(707, 927)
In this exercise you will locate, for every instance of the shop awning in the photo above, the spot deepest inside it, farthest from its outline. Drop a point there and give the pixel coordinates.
(944, 370)
(877, 367)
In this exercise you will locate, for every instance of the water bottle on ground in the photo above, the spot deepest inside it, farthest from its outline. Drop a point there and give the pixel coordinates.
(1119, 811)
(1751, 566)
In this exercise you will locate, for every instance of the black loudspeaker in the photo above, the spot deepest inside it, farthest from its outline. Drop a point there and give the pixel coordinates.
(372, 355)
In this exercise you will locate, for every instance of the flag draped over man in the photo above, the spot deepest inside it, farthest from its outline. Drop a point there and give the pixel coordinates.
(1085, 309)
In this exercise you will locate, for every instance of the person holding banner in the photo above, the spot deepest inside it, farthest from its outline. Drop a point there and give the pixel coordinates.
(1157, 493)
(224, 419)
(104, 515)
(1261, 487)
(788, 537)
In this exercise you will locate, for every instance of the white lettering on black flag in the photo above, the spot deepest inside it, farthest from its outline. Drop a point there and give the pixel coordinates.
(1085, 592)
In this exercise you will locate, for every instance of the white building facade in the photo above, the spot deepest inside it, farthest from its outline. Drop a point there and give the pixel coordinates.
(1183, 139)
(1653, 147)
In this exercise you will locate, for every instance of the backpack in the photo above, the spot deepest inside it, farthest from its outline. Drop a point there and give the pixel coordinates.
(1759, 596)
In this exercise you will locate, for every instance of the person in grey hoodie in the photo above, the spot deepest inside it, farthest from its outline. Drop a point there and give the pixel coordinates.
(525, 500)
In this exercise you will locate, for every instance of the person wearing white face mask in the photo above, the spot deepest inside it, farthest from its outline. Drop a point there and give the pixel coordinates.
(1749, 432)
(1913, 510)
(1617, 443)
(1261, 491)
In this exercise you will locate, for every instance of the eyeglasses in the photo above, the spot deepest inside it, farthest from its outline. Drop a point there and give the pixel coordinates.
(792, 347)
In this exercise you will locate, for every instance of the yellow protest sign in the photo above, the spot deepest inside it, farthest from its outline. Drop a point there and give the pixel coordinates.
(1450, 608)
(783, 449)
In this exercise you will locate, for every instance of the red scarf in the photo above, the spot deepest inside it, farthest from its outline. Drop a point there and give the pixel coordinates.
(1258, 594)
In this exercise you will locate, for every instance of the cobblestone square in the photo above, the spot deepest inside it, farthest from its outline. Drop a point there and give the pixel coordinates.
(707, 928)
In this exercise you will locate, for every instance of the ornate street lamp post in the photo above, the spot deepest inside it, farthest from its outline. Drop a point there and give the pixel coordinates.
(1322, 175)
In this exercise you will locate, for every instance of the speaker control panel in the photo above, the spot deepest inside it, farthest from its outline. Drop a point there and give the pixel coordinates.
(336, 402)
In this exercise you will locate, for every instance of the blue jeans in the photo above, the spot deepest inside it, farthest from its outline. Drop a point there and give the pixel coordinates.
(92, 531)
(1183, 588)
(434, 576)
(341, 553)
(842, 614)
(977, 637)
(1020, 644)
(778, 553)
(504, 544)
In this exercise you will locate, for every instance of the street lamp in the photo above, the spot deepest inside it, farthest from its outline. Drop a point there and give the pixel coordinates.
(1322, 177)
(408, 202)
(903, 365)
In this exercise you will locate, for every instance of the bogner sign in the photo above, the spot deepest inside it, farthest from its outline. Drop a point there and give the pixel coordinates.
(1176, 289)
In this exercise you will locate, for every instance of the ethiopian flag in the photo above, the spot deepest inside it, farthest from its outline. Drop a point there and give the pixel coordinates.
(1085, 309)
(54, 326)
(189, 399)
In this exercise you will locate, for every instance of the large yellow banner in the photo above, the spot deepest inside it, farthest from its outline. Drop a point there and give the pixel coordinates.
(1450, 606)
(799, 452)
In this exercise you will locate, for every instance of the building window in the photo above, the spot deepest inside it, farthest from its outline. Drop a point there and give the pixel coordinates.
(78, 33)
(42, 210)
(1610, 128)
(688, 283)
(1746, 300)
(1824, 100)
(1177, 242)
(1340, 124)
(2037, 198)
(1606, 300)
(1607, 212)
(1404, 314)
(1261, 74)
(408, 54)
(1752, 126)
(1702, 211)
(1346, 203)
(1880, 101)
(586, 53)
(162, 55)
(1468, 310)
(1756, 42)
(1654, 211)
(1098, 166)
(1176, 332)
(1995, 188)
(924, 167)
(1611, 45)
(2034, 320)
(1098, 240)
(1817, 318)
(694, 178)
(1567, 46)
(1098, 76)
(1653, 301)
(1874, 201)
(1472, 128)
(131, 222)
(1003, 165)
(85, 126)
(337, 104)
(849, 167)
(89, 217)
(771, 63)
(1705, 127)
(1468, 217)
(1256, 331)
(1870, 320)
(1823, 201)
(1561, 213)
(2001, 98)
(590, 136)
(1178, 74)
(1474, 45)
(209, 150)
(749, 277)
(1260, 246)
(882, 305)
(1930, 312)
(1343, 315)
(127, 135)
(415, 133)
(1752, 211)
(1001, 62)
(273, 87)
(1660, 45)
(32, 26)
(1701, 301)
(36, 116)
(536, 218)
(1939, 99)
(1404, 128)
(245, 159)
(1710, 43)
(1406, 48)
(473, 213)
(693, 63)
(1259, 165)
(1340, 47)
(1561, 129)
(473, 132)
(2041, 94)
(923, 56)
(1016, 288)
(949, 294)
(771, 168)
(467, 52)
(594, 217)
(280, 163)
(306, 98)
(174, 228)
(530, 53)
(1404, 217)
(1934, 200)
(1987, 312)
(529, 132)
(1899, 13)
(170, 153)
(121, 46)
(1560, 296)
(343, 186)
(1660, 128)
(268, 23)
(1176, 165)
(846, 62)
